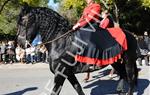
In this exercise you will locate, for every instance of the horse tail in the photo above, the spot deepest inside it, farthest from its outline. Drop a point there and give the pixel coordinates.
(134, 52)
(136, 74)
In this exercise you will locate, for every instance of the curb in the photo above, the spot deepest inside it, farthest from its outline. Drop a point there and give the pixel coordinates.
(24, 66)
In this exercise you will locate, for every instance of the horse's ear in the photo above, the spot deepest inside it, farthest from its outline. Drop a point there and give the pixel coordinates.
(25, 4)
(25, 7)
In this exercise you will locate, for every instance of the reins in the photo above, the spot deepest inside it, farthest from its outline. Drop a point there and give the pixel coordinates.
(65, 34)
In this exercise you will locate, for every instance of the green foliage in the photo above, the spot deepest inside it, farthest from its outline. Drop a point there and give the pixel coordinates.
(31, 2)
(68, 4)
(43, 3)
(8, 18)
(9, 14)
(133, 15)
(145, 3)
(35, 3)
(72, 9)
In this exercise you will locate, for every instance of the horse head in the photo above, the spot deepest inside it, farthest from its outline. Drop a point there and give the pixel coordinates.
(27, 26)
(40, 20)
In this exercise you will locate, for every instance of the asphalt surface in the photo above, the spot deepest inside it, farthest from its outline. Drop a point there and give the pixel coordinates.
(28, 79)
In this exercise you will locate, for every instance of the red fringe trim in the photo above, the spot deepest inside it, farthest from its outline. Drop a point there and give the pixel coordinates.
(96, 61)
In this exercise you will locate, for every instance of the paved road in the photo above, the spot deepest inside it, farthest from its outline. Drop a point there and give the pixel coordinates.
(21, 79)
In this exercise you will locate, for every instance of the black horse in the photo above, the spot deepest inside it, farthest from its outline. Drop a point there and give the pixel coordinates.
(50, 25)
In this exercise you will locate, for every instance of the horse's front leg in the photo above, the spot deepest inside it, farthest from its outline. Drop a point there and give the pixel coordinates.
(58, 83)
(73, 80)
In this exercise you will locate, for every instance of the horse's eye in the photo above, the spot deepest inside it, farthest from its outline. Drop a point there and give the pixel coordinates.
(24, 17)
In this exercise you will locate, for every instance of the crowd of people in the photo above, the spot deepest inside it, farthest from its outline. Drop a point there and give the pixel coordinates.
(32, 54)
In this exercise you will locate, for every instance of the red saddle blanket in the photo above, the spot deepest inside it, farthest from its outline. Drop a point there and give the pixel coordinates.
(104, 46)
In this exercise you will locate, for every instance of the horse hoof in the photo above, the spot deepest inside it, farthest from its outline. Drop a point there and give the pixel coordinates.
(121, 92)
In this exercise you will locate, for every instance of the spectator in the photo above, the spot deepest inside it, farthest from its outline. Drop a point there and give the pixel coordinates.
(32, 54)
(19, 53)
(10, 52)
(28, 54)
(147, 45)
(144, 43)
(146, 40)
(43, 51)
(2, 50)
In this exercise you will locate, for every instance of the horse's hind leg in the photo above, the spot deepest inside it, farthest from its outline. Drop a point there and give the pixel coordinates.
(132, 73)
(120, 68)
(73, 80)
(131, 76)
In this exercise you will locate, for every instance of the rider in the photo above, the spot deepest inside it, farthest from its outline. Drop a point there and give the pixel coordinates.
(90, 13)
(107, 21)
(102, 48)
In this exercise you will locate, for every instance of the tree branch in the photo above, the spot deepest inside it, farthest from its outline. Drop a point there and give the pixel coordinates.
(116, 13)
(1, 9)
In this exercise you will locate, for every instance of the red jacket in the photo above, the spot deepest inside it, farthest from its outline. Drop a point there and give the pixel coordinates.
(88, 14)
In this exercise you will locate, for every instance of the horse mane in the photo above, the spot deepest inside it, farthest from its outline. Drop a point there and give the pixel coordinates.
(50, 24)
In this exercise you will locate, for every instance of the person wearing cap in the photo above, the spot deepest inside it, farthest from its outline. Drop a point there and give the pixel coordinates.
(105, 23)
(89, 15)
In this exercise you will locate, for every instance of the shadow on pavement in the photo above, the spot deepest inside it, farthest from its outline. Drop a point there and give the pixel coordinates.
(142, 85)
(108, 87)
(100, 75)
(22, 91)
